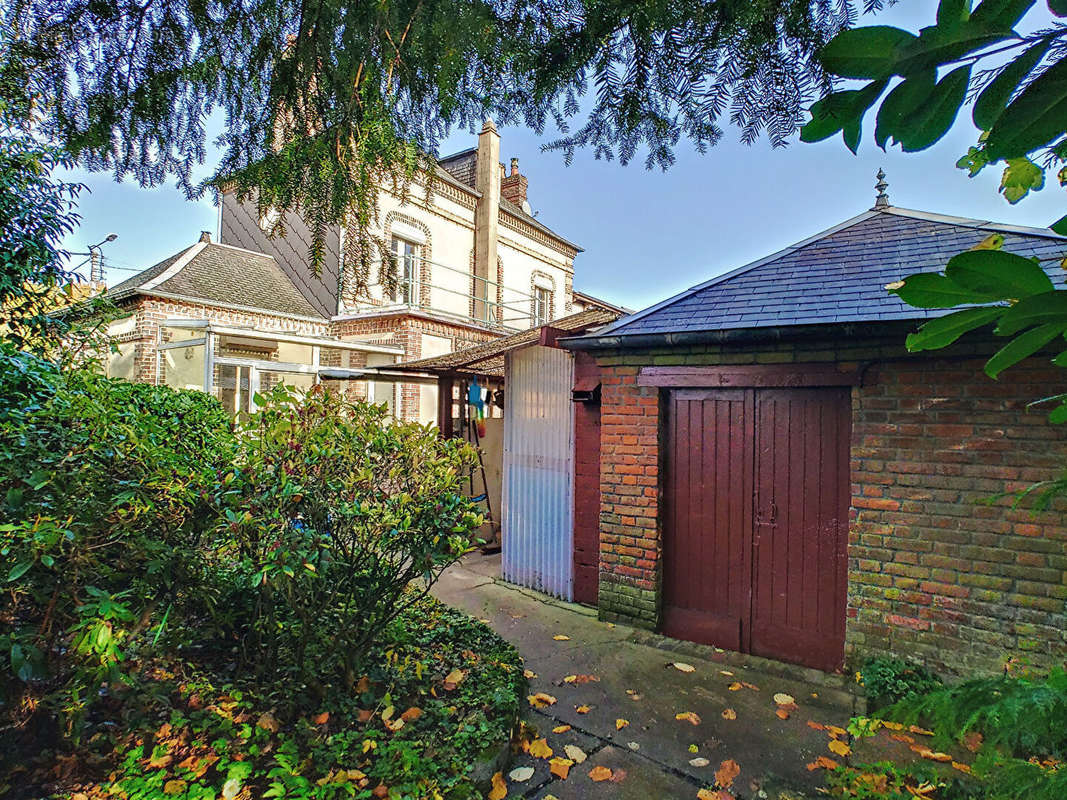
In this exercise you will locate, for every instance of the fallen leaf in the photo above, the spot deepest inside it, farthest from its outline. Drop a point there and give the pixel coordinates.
(393, 725)
(521, 774)
(816, 726)
(729, 713)
(541, 700)
(694, 749)
(964, 768)
(681, 666)
(560, 767)
(363, 685)
(621, 723)
(726, 672)
(174, 787)
(714, 794)
(927, 753)
(735, 686)
(618, 775)
(321, 719)
(575, 753)
(751, 686)
(483, 620)
(902, 737)
(529, 673)
(839, 747)
(580, 679)
(835, 731)
(561, 729)
(500, 789)
(699, 761)
(822, 762)
(893, 726)
(364, 714)
(411, 714)
(973, 741)
(539, 749)
(689, 716)
(570, 678)
(783, 699)
(781, 713)
(600, 774)
(268, 723)
(725, 774)
(559, 637)
(633, 746)
(583, 709)
(920, 731)
(454, 679)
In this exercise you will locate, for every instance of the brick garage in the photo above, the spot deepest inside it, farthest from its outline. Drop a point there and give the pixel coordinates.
(935, 572)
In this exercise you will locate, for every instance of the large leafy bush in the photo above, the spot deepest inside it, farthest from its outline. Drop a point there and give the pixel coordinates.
(330, 513)
(103, 508)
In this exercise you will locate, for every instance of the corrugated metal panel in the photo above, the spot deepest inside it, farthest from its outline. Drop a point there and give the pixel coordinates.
(538, 491)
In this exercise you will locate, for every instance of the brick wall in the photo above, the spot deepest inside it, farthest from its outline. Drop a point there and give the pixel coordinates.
(934, 573)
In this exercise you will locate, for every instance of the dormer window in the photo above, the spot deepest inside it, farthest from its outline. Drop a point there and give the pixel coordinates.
(407, 267)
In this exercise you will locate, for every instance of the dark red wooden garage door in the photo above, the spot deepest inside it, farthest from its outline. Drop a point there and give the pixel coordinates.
(757, 495)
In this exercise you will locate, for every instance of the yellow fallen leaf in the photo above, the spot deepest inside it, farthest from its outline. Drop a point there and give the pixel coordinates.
(570, 678)
(751, 686)
(726, 672)
(839, 747)
(268, 723)
(920, 731)
(411, 714)
(559, 637)
(174, 787)
(782, 713)
(964, 768)
(893, 726)
(725, 774)
(621, 723)
(822, 762)
(681, 666)
(583, 709)
(835, 731)
(321, 719)
(784, 699)
(529, 673)
(575, 753)
(735, 686)
(500, 789)
(688, 716)
(541, 700)
(729, 713)
(539, 749)
(454, 679)
(600, 774)
(561, 729)
(714, 794)
(560, 767)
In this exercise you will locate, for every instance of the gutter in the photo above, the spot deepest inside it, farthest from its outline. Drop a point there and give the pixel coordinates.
(736, 335)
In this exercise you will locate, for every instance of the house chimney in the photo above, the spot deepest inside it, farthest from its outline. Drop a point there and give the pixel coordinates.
(513, 187)
(486, 218)
(205, 237)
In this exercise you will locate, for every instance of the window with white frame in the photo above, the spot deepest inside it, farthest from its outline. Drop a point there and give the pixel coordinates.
(407, 267)
(542, 305)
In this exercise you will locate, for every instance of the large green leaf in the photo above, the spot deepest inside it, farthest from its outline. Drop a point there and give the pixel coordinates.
(1060, 226)
(841, 111)
(939, 45)
(943, 331)
(994, 98)
(1037, 309)
(953, 13)
(1000, 15)
(933, 290)
(936, 115)
(1058, 7)
(904, 101)
(1023, 346)
(868, 52)
(1035, 118)
(997, 274)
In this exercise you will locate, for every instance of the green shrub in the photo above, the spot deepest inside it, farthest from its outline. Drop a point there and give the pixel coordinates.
(103, 506)
(888, 680)
(331, 512)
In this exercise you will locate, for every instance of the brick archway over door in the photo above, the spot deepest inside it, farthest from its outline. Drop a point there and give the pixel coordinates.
(756, 528)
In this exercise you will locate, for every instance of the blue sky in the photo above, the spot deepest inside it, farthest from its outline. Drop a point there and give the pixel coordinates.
(648, 234)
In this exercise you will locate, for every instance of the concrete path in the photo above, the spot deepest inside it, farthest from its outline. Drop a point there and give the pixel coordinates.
(655, 755)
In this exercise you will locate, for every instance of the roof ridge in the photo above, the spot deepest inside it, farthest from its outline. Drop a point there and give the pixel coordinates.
(970, 222)
(241, 249)
(182, 262)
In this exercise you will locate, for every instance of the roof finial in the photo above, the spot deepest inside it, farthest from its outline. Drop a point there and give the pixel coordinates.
(882, 200)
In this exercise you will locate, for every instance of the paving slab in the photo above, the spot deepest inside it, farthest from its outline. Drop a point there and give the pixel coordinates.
(728, 707)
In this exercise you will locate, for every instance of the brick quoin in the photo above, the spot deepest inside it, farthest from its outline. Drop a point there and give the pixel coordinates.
(937, 571)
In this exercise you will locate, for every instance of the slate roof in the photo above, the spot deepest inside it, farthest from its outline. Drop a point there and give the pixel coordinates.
(488, 358)
(220, 274)
(838, 276)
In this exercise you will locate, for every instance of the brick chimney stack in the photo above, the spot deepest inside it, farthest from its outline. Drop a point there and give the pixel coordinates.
(513, 186)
